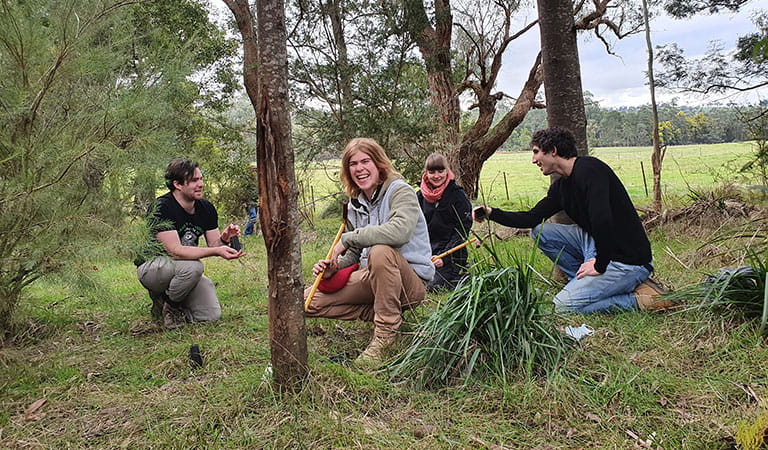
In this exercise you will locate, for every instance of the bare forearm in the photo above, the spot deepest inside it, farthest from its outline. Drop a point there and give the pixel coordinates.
(192, 253)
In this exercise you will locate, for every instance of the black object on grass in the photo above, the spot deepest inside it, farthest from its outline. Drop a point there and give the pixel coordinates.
(195, 359)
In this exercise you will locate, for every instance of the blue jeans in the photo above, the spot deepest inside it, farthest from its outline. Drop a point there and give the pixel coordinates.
(569, 246)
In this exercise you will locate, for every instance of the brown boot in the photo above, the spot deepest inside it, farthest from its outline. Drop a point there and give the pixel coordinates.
(649, 296)
(172, 317)
(559, 276)
(373, 355)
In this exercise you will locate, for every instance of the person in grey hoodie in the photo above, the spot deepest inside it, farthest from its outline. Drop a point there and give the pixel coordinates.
(387, 236)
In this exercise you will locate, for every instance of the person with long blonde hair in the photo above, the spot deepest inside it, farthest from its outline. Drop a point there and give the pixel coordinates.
(387, 236)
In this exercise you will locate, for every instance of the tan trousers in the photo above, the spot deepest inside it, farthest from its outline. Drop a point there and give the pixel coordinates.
(377, 294)
(184, 283)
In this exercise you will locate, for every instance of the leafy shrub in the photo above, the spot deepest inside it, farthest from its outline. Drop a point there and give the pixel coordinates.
(752, 436)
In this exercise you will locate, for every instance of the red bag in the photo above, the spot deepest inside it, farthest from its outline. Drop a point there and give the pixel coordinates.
(337, 281)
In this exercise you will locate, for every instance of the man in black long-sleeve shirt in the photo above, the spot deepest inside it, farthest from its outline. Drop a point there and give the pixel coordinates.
(605, 254)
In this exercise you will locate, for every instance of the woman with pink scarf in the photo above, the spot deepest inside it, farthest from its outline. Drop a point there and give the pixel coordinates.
(449, 218)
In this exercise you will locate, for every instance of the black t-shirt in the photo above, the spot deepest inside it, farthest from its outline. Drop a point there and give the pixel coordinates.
(169, 215)
(166, 214)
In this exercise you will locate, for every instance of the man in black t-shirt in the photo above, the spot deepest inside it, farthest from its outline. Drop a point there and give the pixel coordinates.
(606, 254)
(174, 278)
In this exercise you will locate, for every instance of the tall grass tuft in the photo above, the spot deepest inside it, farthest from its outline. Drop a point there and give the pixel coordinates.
(742, 291)
(498, 321)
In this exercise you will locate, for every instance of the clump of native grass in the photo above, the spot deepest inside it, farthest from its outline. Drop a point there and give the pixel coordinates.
(741, 291)
(498, 322)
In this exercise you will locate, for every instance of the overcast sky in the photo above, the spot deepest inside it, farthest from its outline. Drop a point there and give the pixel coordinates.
(621, 81)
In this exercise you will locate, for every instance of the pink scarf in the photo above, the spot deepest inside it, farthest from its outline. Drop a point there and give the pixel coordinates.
(433, 195)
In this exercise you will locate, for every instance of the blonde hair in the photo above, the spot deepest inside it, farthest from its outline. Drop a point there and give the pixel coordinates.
(436, 161)
(378, 156)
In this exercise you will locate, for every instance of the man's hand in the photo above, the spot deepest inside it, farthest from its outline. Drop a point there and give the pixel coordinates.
(324, 266)
(231, 230)
(438, 262)
(228, 252)
(481, 213)
(338, 250)
(587, 269)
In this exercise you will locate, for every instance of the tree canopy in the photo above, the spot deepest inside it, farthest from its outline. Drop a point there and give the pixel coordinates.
(95, 97)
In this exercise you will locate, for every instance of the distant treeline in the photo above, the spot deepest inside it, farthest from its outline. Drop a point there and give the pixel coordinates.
(631, 126)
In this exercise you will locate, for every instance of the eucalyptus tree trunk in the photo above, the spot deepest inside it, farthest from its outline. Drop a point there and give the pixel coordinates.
(265, 72)
(434, 43)
(658, 153)
(562, 76)
(562, 72)
(467, 153)
(334, 11)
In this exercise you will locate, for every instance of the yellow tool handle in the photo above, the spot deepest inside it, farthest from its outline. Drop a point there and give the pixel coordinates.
(320, 275)
(448, 252)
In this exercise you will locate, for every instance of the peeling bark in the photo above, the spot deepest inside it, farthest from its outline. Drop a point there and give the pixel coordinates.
(266, 80)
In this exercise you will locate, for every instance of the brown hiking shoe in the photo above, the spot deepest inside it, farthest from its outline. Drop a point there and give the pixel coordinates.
(374, 354)
(649, 296)
(172, 317)
(559, 276)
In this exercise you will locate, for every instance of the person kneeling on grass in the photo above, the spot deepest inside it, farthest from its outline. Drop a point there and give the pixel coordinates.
(605, 255)
(387, 235)
(174, 279)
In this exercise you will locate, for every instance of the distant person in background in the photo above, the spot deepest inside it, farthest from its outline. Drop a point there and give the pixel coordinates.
(449, 217)
(253, 215)
(174, 277)
(387, 236)
(606, 254)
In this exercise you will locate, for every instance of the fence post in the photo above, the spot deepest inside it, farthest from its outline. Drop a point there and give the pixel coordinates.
(645, 183)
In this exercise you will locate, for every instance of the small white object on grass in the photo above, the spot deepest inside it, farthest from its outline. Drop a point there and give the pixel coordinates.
(579, 333)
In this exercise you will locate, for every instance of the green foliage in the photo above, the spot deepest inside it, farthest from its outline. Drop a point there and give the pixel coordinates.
(734, 70)
(752, 436)
(632, 126)
(687, 8)
(94, 101)
(367, 81)
(741, 292)
(497, 322)
(756, 124)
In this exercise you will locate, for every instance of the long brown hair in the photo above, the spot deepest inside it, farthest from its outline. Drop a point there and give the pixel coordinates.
(379, 157)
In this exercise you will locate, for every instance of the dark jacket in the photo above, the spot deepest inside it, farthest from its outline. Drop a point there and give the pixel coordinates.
(595, 199)
(448, 220)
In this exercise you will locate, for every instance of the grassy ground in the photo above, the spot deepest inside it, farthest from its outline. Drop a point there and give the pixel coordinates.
(110, 377)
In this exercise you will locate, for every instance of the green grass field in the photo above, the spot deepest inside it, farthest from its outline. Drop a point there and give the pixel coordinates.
(511, 179)
(88, 368)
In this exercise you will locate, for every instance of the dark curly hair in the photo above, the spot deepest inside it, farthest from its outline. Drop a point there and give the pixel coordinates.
(180, 170)
(555, 137)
